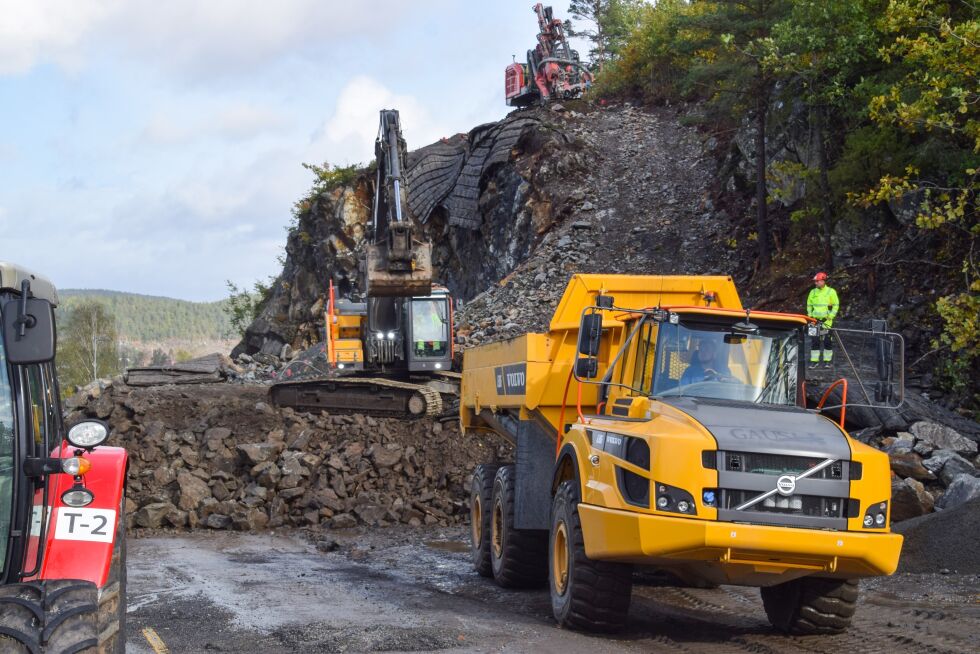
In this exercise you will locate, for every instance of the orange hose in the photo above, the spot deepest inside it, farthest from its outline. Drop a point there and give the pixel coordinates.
(843, 398)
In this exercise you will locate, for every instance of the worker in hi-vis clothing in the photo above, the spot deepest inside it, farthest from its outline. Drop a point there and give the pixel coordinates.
(823, 305)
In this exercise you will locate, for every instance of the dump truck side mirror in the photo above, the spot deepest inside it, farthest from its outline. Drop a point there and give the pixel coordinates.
(587, 367)
(589, 333)
(28, 331)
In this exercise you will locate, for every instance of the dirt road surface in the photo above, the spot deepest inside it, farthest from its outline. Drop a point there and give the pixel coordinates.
(414, 591)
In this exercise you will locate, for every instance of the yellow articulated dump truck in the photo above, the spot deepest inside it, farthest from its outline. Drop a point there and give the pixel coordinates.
(659, 424)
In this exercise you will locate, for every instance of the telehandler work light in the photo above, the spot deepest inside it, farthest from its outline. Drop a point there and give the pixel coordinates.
(88, 434)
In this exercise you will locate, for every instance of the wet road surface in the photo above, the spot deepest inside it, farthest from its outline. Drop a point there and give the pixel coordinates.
(413, 591)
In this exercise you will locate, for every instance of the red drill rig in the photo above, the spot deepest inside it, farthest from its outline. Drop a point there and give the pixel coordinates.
(553, 70)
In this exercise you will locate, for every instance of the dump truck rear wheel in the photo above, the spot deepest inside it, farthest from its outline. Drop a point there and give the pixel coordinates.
(585, 594)
(57, 616)
(481, 498)
(518, 557)
(811, 605)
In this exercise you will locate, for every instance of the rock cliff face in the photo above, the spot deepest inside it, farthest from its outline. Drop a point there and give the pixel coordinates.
(480, 198)
(524, 202)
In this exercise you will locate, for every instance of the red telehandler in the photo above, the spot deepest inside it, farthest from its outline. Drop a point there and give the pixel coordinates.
(553, 70)
(62, 495)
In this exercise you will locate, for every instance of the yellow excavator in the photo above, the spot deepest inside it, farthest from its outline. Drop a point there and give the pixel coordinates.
(390, 354)
(658, 423)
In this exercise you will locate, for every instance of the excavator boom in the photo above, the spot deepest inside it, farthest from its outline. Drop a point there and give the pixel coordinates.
(396, 265)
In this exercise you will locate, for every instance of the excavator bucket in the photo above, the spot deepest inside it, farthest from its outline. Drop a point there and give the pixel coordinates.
(388, 278)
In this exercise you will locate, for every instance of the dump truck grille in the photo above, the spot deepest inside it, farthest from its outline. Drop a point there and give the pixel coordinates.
(805, 505)
(777, 464)
(786, 490)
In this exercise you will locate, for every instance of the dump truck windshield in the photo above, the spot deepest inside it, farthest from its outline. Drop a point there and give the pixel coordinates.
(711, 361)
(6, 454)
(430, 327)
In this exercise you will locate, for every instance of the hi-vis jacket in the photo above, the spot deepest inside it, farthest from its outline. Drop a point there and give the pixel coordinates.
(822, 304)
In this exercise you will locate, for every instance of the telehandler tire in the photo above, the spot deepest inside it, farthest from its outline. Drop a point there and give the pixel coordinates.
(481, 498)
(518, 557)
(112, 596)
(58, 616)
(811, 605)
(585, 594)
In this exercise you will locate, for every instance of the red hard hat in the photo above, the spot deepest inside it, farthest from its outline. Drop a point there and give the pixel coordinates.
(820, 277)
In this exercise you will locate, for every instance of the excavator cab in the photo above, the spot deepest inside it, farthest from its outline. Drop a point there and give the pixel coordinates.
(430, 321)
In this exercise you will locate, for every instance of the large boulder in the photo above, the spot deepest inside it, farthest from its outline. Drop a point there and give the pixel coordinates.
(963, 489)
(947, 465)
(193, 491)
(909, 499)
(909, 464)
(941, 437)
(152, 515)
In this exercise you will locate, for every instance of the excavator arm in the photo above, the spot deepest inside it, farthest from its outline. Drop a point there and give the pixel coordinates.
(397, 265)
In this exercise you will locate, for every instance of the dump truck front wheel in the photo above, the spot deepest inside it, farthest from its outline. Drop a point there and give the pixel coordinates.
(585, 594)
(518, 557)
(811, 605)
(481, 498)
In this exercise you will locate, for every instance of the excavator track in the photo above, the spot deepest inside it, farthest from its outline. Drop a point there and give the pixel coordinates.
(373, 396)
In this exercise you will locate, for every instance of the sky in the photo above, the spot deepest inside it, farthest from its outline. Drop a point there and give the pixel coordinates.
(156, 147)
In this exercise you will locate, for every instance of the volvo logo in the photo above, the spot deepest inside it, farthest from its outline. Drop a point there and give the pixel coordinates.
(786, 485)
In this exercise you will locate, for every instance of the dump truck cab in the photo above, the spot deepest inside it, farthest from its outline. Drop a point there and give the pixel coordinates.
(659, 423)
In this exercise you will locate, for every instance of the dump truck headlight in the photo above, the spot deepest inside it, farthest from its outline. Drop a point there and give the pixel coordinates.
(876, 515)
(675, 500)
(340, 365)
(391, 336)
(708, 497)
(380, 336)
(77, 497)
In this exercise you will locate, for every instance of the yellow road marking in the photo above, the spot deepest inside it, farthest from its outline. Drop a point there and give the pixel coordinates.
(153, 638)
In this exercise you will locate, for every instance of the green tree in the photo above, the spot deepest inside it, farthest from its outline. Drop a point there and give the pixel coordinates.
(242, 307)
(88, 347)
(729, 40)
(820, 51)
(606, 25)
(936, 98)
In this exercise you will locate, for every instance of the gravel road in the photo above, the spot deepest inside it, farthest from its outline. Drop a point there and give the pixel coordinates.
(403, 590)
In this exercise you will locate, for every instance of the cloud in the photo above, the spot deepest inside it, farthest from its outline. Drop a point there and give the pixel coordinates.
(233, 122)
(47, 30)
(195, 38)
(348, 134)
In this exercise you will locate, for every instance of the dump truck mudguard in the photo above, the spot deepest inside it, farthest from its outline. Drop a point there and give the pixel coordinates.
(79, 541)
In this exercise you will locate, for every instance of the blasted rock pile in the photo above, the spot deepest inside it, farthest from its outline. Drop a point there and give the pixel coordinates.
(220, 456)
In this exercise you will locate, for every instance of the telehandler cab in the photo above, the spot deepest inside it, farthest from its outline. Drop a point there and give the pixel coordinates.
(62, 526)
(659, 424)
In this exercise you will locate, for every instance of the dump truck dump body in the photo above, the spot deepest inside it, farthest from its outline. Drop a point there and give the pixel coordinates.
(722, 478)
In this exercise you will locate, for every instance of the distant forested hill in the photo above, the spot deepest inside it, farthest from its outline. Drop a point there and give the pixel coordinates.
(147, 318)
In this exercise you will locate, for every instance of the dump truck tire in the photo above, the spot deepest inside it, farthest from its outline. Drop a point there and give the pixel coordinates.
(585, 594)
(57, 616)
(481, 499)
(811, 605)
(518, 557)
(112, 596)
